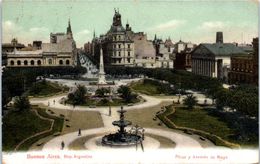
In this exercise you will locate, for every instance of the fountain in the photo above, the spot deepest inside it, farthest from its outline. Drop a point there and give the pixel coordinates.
(123, 138)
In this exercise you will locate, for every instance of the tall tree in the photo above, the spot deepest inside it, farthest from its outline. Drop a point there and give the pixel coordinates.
(21, 103)
(190, 101)
(125, 92)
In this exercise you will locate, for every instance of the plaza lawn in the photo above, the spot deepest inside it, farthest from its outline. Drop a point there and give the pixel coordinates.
(18, 125)
(45, 88)
(148, 88)
(200, 119)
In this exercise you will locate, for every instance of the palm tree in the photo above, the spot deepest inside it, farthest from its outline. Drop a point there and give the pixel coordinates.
(21, 103)
(125, 92)
(190, 101)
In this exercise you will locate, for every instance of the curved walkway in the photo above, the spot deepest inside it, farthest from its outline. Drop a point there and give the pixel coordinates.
(181, 140)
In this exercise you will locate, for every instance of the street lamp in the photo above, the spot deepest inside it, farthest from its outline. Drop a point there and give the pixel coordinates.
(138, 131)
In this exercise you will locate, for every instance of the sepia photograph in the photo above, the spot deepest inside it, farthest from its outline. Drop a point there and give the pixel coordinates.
(130, 81)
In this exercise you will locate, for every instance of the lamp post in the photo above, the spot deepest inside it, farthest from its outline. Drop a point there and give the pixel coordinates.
(138, 131)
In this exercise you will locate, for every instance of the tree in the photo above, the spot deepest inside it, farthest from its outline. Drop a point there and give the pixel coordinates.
(78, 97)
(190, 101)
(21, 103)
(223, 97)
(125, 92)
(101, 92)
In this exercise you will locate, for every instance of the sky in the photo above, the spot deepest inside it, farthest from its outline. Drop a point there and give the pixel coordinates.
(195, 21)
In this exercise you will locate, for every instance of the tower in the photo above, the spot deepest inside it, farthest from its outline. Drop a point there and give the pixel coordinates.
(69, 31)
(101, 74)
(219, 37)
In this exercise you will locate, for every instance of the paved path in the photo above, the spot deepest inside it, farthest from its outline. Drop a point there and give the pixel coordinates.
(181, 140)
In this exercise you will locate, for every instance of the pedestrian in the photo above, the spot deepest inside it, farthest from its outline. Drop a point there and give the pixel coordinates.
(109, 110)
(205, 101)
(48, 103)
(79, 134)
(53, 102)
(62, 145)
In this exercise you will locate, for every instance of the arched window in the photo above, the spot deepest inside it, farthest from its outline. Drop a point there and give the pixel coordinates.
(12, 62)
(60, 62)
(32, 62)
(25, 62)
(39, 62)
(50, 61)
(18, 62)
(67, 62)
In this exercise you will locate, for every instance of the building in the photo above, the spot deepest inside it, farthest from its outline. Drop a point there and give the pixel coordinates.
(182, 53)
(213, 60)
(244, 68)
(123, 47)
(88, 48)
(164, 56)
(61, 51)
(9, 47)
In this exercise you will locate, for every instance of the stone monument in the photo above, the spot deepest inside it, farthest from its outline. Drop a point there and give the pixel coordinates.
(101, 74)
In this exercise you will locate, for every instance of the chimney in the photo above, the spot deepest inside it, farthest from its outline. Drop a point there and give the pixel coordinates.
(219, 37)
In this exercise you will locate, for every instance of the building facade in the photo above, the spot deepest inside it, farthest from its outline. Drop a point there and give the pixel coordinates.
(213, 60)
(61, 51)
(182, 53)
(123, 47)
(244, 68)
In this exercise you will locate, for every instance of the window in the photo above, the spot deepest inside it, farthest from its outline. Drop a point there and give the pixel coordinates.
(18, 62)
(119, 46)
(60, 62)
(25, 62)
(119, 53)
(114, 37)
(119, 37)
(39, 62)
(114, 46)
(12, 62)
(50, 61)
(67, 62)
(32, 62)
(128, 53)
(128, 46)
(128, 60)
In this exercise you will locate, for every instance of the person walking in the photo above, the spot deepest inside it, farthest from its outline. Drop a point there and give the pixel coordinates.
(79, 134)
(62, 145)
(53, 102)
(109, 111)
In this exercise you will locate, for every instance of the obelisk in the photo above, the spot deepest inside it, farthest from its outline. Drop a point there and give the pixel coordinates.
(101, 74)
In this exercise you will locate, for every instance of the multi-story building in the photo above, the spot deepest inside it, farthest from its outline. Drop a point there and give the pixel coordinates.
(123, 47)
(244, 68)
(61, 51)
(213, 60)
(182, 53)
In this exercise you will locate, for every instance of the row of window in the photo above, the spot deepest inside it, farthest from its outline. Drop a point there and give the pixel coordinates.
(119, 45)
(32, 62)
(119, 53)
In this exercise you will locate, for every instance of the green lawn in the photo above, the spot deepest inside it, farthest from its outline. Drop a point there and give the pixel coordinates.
(45, 88)
(200, 119)
(149, 89)
(19, 125)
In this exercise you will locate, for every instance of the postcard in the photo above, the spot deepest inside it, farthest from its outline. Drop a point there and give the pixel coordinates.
(140, 81)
